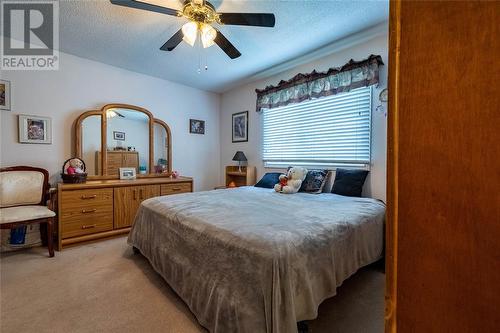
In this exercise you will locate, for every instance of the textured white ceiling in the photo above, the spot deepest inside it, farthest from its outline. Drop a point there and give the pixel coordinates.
(131, 38)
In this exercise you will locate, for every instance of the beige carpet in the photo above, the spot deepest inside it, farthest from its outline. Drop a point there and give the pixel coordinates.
(104, 287)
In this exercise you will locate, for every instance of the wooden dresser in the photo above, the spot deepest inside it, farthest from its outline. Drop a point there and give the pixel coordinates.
(104, 208)
(116, 160)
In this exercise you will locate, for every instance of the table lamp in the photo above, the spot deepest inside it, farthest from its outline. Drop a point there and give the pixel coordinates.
(240, 157)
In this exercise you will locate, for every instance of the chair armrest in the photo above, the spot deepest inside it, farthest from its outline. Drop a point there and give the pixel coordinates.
(51, 195)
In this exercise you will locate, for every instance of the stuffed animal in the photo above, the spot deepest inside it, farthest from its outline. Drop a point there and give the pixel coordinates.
(75, 166)
(291, 181)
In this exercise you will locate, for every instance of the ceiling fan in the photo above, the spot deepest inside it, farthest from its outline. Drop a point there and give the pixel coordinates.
(201, 15)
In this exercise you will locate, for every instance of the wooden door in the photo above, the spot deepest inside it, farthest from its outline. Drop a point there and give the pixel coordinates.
(443, 241)
(127, 201)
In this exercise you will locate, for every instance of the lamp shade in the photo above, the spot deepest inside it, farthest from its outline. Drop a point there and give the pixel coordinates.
(239, 156)
(190, 32)
(208, 35)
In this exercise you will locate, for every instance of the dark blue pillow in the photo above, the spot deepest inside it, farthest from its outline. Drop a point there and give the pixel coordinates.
(269, 180)
(314, 182)
(349, 182)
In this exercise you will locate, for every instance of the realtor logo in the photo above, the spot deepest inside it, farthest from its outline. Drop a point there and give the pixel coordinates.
(30, 35)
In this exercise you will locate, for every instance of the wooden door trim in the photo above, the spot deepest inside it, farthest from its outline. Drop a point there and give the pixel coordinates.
(392, 167)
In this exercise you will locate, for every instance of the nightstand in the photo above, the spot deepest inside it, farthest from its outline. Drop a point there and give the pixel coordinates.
(241, 178)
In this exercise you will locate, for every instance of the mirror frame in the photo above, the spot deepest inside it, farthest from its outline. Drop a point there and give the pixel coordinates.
(104, 121)
(169, 139)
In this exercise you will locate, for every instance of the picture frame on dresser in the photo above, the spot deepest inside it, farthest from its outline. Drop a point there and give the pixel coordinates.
(128, 173)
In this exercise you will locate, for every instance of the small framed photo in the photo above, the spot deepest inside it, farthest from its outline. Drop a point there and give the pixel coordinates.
(120, 136)
(196, 126)
(5, 95)
(35, 129)
(127, 173)
(240, 127)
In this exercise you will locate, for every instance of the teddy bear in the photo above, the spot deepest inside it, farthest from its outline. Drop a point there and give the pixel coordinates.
(291, 181)
(75, 166)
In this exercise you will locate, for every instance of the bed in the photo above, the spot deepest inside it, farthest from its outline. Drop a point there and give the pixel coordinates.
(253, 260)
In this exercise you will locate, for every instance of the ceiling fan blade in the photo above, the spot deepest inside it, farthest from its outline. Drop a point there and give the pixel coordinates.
(145, 6)
(257, 20)
(173, 41)
(226, 45)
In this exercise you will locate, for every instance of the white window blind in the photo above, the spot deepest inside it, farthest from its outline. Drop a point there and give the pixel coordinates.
(324, 132)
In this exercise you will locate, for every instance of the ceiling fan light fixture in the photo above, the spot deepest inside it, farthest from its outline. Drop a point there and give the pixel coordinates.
(190, 32)
(208, 34)
(111, 114)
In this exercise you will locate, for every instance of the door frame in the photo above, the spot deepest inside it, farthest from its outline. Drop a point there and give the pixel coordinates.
(392, 167)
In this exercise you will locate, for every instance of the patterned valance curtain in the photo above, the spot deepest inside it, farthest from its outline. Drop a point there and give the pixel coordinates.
(303, 87)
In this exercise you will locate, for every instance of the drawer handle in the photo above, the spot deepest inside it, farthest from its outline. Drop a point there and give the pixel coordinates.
(85, 197)
(89, 226)
(140, 194)
(176, 188)
(87, 211)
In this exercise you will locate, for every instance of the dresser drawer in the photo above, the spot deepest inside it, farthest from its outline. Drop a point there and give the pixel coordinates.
(74, 202)
(86, 223)
(167, 189)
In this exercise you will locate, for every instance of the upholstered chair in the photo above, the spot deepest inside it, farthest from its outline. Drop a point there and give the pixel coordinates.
(24, 194)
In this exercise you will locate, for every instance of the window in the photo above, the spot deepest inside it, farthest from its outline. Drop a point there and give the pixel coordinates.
(325, 132)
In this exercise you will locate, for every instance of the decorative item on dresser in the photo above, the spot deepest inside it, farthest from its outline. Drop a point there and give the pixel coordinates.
(236, 178)
(73, 171)
(24, 194)
(104, 208)
(105, 205)
(127, 173)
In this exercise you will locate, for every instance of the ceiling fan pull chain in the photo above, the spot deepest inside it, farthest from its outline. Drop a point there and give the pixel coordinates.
(198, 46)
(206, 60)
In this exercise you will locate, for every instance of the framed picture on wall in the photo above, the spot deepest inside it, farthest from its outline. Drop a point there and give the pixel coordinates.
(120, 136)
(196, 126)
(35, 129)
(5, 95)
(240, 126)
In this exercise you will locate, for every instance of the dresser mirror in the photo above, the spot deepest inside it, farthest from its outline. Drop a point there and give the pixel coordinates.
(161, 146)
(127, 140)
(121, 135)
(91, 143)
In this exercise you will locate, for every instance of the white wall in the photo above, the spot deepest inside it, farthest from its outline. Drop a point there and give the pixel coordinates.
(80, 85)
(244, 98)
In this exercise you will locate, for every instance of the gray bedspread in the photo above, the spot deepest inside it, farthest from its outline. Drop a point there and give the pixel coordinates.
(253, 260)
